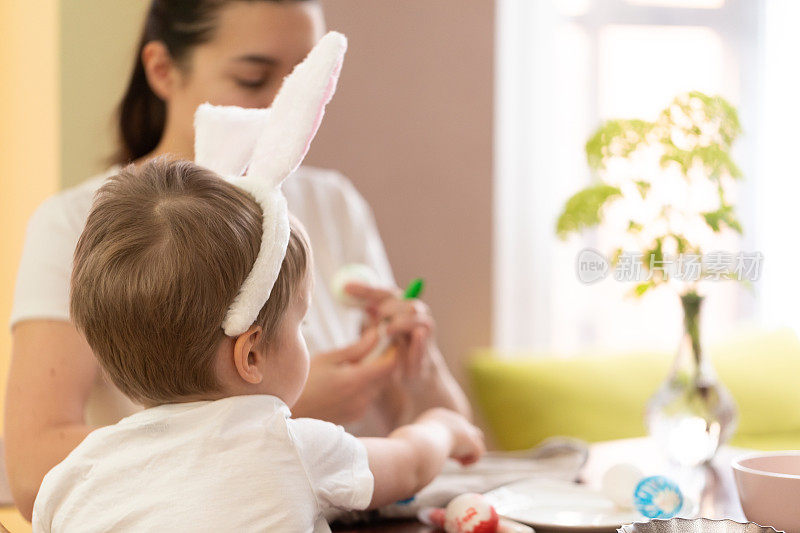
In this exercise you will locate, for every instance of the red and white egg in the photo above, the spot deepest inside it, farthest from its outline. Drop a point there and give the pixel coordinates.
(470, 513)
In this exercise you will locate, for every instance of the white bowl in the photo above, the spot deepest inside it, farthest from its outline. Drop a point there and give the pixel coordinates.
(769, 488)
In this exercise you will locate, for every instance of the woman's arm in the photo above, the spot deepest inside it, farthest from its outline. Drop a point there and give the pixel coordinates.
(433, 385)
(51, 376)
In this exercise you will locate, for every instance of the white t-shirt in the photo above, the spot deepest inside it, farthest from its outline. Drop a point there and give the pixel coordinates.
(236, 464)
(339, 223)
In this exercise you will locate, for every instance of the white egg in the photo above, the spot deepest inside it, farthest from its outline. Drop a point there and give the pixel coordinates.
(353, 272)
(619, 482)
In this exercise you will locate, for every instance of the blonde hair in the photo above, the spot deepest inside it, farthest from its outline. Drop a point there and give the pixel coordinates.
(165, 249)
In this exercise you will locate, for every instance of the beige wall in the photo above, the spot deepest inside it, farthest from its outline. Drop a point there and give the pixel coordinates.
(29, 135)
(411, 126)
(98, 40)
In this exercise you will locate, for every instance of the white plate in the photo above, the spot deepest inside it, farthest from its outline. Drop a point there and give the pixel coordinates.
(562, 506)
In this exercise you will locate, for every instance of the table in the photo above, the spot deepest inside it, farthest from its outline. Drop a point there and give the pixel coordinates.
(712, 484)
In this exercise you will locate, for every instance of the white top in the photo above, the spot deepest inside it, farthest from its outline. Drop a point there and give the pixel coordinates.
(236, 464)
(339, 223)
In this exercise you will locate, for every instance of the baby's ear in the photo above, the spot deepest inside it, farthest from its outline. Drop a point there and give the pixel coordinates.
(246, 355)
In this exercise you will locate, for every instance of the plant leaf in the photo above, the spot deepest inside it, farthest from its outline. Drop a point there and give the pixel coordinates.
(724, 215)
(643, 186)
(616, 138)
(584, 208)
(715, 160)
(634, 227)
(643, 287)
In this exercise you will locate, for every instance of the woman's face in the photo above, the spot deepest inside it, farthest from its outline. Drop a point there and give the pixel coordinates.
(255, 45)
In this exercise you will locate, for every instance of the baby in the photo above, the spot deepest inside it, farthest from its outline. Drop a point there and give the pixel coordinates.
(165, 250)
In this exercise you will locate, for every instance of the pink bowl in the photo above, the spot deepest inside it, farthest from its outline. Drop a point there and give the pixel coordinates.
(769, 488)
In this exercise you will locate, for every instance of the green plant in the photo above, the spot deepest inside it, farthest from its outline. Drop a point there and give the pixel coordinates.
(688, 143)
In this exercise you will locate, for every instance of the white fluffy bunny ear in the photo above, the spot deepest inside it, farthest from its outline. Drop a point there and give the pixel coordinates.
(297, 111)
(225, 136)
(257, 149)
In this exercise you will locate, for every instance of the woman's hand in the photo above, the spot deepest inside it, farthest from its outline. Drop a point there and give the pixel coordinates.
(340, 386)
(409, 321)
(425, 380)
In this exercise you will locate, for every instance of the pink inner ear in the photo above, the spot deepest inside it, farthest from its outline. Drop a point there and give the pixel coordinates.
(329, 90)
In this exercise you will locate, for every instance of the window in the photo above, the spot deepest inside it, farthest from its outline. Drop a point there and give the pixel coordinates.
(563, 66)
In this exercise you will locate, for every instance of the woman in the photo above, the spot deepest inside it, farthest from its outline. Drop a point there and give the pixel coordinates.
(230, 52)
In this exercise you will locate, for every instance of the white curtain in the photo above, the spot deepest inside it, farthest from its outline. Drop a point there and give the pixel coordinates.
(778, 188)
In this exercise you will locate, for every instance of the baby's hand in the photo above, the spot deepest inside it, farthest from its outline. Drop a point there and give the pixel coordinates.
(468, 445)
(414, 454)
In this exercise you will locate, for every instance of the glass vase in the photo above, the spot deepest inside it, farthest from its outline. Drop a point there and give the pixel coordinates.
(692, 414)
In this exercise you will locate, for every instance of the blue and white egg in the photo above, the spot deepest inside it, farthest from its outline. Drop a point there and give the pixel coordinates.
(658, 497)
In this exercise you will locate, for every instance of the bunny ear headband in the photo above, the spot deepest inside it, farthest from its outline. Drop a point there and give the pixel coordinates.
(256, 149)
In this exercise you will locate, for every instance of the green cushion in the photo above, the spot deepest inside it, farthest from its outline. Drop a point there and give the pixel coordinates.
(769, 441)
(527, 397)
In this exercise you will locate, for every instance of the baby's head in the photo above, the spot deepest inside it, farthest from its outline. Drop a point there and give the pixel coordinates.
(165, 250)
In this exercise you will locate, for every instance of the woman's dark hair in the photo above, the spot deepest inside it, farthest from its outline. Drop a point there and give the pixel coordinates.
(180, 25)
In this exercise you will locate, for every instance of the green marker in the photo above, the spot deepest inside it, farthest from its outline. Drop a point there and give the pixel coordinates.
(414, 289)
